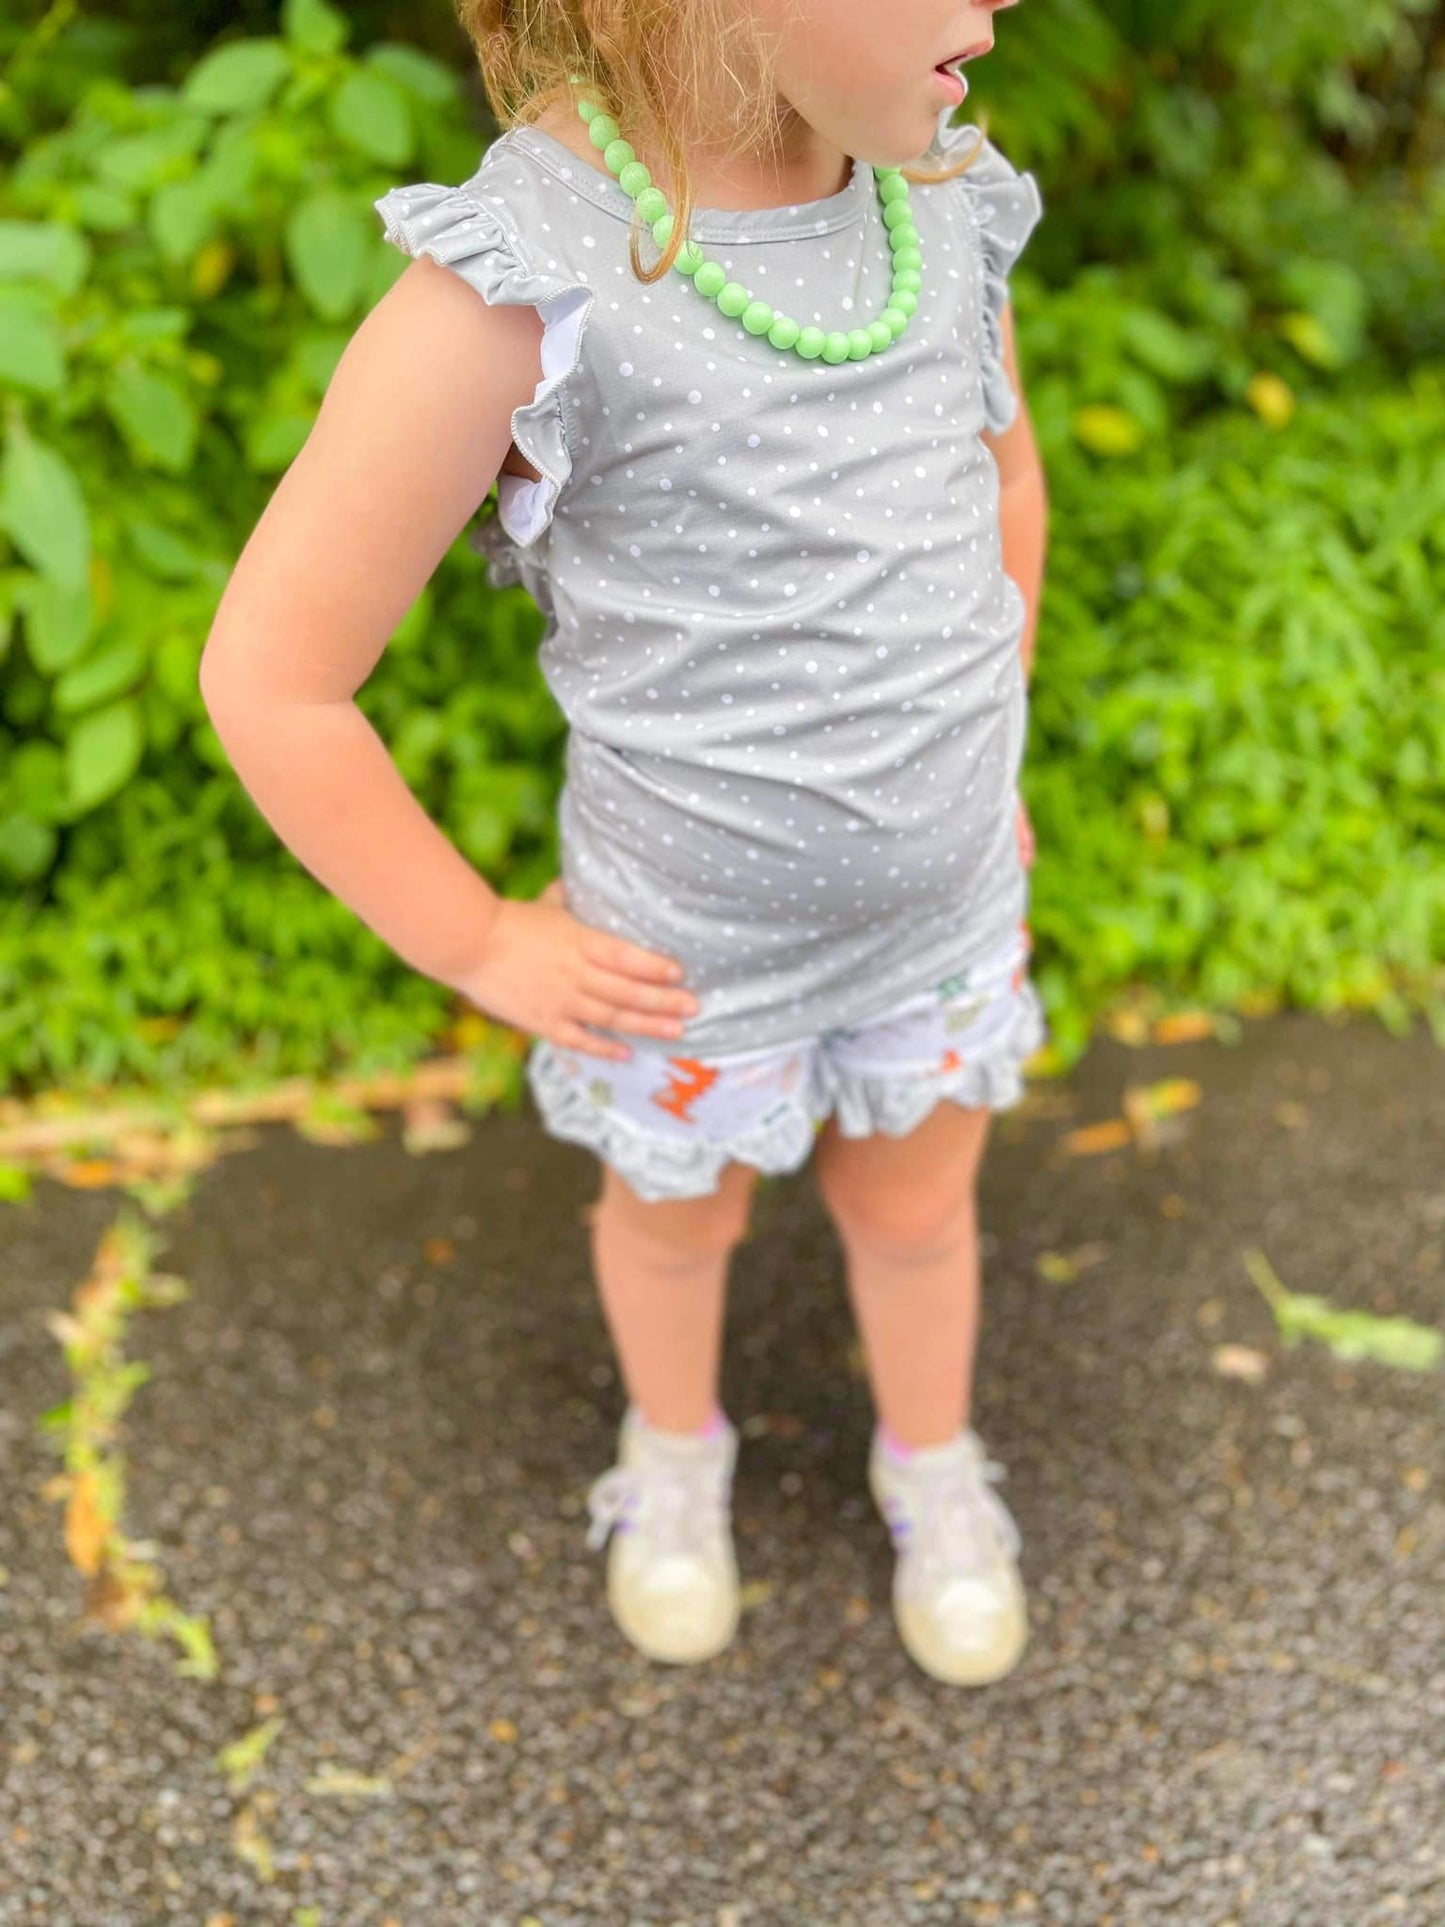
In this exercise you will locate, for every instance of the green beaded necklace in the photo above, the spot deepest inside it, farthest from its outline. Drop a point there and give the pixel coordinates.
(734, 300)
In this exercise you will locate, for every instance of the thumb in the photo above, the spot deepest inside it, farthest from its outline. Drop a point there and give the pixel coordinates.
(555, 892)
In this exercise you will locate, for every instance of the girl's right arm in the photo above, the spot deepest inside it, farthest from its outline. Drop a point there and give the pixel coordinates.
(410, 437)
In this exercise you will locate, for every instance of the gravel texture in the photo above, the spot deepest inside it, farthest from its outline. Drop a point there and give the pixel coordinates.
(365, 1449)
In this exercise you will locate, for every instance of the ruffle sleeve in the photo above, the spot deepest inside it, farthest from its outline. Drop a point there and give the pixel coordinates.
(455, 227)
(1006, 206)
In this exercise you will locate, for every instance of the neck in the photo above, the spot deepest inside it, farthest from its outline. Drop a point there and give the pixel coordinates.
(805, 166)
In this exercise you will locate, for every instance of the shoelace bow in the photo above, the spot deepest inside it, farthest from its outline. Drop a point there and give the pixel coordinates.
(955, 1513)
(674, 1512)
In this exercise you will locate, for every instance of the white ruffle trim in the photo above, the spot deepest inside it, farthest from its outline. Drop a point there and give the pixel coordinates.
(450, 225)
(895, 1104)
(657, 1166)
(1007, 206)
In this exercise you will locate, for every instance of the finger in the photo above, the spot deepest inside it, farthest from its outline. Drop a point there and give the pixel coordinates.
(616, 953)
(611, 1016)
(628, 993)
(572, 1036)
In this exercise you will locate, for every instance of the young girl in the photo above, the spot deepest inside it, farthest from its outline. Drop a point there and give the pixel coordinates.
(762, 467)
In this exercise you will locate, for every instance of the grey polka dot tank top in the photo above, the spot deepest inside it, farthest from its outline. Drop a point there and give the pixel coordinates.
(776, 616)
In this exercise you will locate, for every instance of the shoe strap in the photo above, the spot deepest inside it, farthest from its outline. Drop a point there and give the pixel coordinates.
(682, 1501)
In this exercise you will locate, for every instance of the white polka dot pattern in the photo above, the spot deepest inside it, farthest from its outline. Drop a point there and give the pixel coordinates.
(778, 622)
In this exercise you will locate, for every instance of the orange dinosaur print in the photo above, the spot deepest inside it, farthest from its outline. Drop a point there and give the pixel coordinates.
(951, 1061)
(682, 1092)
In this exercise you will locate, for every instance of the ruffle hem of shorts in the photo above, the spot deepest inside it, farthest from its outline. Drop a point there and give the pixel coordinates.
(660, 1167)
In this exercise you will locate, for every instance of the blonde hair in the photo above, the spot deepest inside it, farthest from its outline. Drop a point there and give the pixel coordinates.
(643, 62)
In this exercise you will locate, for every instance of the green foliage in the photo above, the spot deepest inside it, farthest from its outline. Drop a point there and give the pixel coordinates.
(174, 263)
(1237, 701)
(1239, 712)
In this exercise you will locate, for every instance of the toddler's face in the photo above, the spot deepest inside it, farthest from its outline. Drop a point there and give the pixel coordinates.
(863, 74)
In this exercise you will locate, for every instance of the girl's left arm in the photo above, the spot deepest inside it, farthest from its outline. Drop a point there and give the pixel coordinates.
(1023, 499)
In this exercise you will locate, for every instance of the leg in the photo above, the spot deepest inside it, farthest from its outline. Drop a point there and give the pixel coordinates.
(906, 1214)
(661, 1269)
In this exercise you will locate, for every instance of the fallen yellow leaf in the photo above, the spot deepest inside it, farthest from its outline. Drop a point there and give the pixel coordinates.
(86, 1527)
(1183, 1027)
(1090, 1139)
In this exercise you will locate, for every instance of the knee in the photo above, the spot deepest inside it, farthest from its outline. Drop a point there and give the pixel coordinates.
(907, 1222)
(681, 1228)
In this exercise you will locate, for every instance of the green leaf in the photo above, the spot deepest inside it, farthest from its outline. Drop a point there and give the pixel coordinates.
(31, 355)
(156, 416)
(316, 355)
(143, 161)
(274, 441)
(1164, 347)
(27, 848)
(109, 673)
(422, 77)
(102, 753)
(37, 781)
(182, 217)
(58, 622)
(328, 242)
(163, 552)
(315, 26)
(43, 251)
(372, 114)
(106, 209)
(1350, 1335)
(238, 78)
(42, 508)
(1362, 1334)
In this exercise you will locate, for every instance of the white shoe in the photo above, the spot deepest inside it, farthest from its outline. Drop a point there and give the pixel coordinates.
(672, 1573)
(958, 1600)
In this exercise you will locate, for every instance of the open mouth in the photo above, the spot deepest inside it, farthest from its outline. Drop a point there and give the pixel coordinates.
(951, 75)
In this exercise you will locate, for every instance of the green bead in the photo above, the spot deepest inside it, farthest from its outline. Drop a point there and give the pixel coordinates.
(758, 318)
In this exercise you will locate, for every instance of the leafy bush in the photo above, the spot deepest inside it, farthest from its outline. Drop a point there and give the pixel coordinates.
(179, 270)
(1239, 715)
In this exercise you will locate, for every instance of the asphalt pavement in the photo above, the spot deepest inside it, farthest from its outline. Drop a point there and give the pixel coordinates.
(364, 1450)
